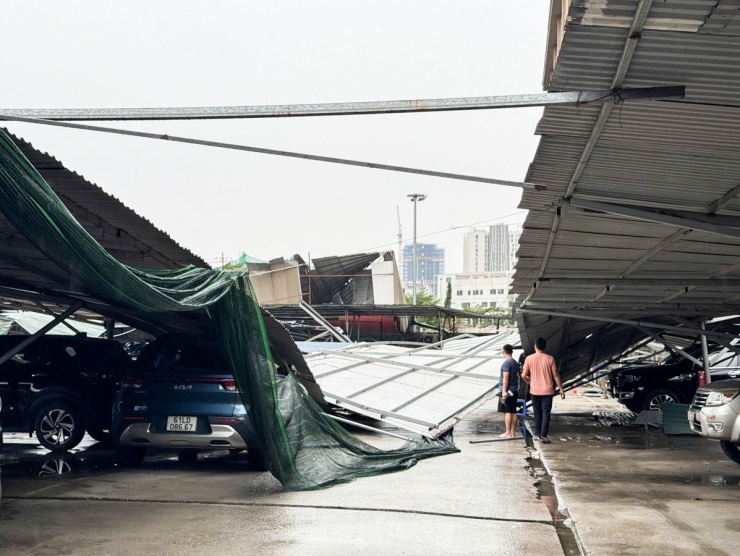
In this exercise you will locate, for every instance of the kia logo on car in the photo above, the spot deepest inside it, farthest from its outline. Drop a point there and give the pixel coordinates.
(183, 386)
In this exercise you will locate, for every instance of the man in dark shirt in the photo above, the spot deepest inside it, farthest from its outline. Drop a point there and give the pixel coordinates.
(509, 386)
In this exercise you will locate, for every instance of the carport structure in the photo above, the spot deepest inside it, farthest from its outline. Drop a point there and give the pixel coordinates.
(638, 232)
(30, 281)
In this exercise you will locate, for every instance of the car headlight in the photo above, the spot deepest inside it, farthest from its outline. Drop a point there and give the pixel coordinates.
(721, 397)
(630, 378)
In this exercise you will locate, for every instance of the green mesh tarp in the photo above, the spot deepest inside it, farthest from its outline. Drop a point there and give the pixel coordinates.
(302, 447)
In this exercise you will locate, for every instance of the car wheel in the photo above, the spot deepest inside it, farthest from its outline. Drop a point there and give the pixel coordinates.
(59, 426)
(655, 400)
(129, 456)
(731, 450)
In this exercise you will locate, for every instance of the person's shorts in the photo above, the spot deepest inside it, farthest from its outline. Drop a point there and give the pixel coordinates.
(507, 405)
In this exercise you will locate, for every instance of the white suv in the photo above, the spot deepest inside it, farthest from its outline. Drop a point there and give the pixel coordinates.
(715, 414)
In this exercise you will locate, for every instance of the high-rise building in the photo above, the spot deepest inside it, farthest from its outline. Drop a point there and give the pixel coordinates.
(499, 248)
(430, 263)
(515, 233)
(475, 251)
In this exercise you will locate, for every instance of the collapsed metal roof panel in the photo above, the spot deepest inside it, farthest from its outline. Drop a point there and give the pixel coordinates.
(324, 284)
(423, 390)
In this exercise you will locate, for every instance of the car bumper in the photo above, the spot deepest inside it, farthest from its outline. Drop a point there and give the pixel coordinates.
(715, 423)
(223, 437)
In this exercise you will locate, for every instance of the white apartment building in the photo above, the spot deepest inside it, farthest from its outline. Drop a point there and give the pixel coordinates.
(477, 289)
(475, 251)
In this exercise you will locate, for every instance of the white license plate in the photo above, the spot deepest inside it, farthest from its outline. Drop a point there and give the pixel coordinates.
(180, 423)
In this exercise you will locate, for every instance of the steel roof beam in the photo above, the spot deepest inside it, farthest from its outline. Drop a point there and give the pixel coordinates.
(694, 216)
(577, 98)
(659, 217)
(651, 310)
(722, 201)
(635, 323)
(585, 281)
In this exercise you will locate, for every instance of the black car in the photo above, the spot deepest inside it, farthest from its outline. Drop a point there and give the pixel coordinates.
(675, 380)
(58, 387)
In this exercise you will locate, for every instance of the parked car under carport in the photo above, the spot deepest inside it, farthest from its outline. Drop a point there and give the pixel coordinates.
(715, 415)
(675, 380)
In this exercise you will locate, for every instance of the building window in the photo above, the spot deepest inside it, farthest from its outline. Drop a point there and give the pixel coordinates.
(484, 304)
(501, 292)
(459, 292)
(493, 292)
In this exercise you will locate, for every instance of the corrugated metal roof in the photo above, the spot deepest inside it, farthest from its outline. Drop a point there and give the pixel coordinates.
(330, 275)
(665, 155)
(424, 390)
(130, 238)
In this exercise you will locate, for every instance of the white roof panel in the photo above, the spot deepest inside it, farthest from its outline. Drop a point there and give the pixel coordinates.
(425, 390)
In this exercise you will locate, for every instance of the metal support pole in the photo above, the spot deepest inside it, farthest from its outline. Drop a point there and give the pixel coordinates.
(705, 351)
(415, 198)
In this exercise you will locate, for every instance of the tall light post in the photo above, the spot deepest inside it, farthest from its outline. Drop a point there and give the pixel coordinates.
(415, 198)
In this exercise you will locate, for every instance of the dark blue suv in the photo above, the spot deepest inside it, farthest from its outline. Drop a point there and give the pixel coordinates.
(58, 387)
(181, 396)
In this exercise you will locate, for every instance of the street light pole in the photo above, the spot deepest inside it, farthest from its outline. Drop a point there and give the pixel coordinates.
(415, 198)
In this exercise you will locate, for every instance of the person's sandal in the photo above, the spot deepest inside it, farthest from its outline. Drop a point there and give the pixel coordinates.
(544, 440)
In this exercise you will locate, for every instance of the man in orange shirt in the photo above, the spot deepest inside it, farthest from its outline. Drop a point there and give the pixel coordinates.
(541, 373)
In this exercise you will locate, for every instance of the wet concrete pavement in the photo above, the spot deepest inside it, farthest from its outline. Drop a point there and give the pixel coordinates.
(480, 501)
(629, 490)
(625, 490)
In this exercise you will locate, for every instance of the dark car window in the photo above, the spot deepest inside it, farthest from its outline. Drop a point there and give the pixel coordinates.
(183, 357)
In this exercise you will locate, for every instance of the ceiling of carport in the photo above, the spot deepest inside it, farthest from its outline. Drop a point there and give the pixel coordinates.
(641, 217)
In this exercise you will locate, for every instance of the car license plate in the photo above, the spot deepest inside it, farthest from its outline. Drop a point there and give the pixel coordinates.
(180, 423)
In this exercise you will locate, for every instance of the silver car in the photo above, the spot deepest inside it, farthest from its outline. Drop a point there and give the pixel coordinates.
(715, 414)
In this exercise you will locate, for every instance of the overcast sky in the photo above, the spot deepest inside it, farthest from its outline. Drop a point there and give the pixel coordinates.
(213, 201)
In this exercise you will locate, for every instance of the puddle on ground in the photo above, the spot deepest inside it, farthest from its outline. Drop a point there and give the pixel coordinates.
(709, 479)
(546, 493)
(52, 465)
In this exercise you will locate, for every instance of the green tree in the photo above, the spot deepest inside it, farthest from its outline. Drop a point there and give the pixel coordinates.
(424, 298)
(448, 295)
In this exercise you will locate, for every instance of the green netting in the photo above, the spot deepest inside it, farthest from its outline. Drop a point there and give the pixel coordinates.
(303, 448)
